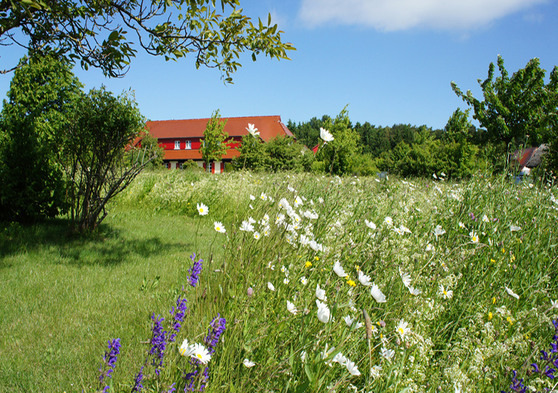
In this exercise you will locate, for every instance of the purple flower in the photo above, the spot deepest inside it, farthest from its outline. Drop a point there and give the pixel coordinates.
(137, 384)
(178, 314)
(109, 361)
(158, 343)
(195, 270)
(216, 329)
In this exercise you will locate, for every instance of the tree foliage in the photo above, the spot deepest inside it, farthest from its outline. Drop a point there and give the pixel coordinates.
(214, 145)
(43, 94)
(107, 34)
(101, 159)
(517, 110)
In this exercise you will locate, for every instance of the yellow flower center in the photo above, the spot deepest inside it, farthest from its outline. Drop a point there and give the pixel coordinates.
(199, 355)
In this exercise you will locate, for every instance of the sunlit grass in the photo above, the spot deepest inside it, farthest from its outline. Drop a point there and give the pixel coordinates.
(448, 322)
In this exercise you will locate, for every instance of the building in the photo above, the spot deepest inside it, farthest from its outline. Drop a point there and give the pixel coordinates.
(182, 139)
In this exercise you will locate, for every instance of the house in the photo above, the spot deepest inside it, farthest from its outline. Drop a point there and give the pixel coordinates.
(182, 139)
(529, 158)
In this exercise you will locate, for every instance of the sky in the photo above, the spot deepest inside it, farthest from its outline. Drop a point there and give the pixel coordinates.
(387, 61)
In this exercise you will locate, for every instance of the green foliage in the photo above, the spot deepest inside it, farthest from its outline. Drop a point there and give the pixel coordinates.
(252, 154)
(151, 144)
(104, 34)
(517, 110)
(308, 133)
(214, 145)
(43, 94)
(339, 154)
(97, 165)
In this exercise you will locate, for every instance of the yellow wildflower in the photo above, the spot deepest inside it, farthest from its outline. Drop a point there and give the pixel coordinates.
(489, 316)
(351, 283)
(308, 264)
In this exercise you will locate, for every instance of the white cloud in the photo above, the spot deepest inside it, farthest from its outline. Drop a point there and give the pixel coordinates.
(392, 15)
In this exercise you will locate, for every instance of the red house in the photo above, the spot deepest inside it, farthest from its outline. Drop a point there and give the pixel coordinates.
(182, 139)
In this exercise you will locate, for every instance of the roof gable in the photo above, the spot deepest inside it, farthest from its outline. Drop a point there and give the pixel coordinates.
(268, 126)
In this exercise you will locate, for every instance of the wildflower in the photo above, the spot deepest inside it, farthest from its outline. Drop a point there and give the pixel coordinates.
(446, 294)
(308, 264)
(403, 329)
(252, 130)
(324, 314)
(286, 280)
(270, 286)
(388, 220)
(364, 279)
(263, 197)
(246, 226)
(370, 224)
(298, 202)
(216, 329)
(352, 368)
(377, 294)
(438, 231)
(514, 228)
(387, 353)
(406, 278)
(429, 247)
(512, 293)
(291, 308)
(303, 280)
(178, 314)
(252, 197)
(490, 315)
(474, 237)
(158, 343)
(339, 358)
(320, 293)
(461, 225)
(338, 269)
(351, 283)
(219, 227)
(350, 321)
(485, 218)
(554, 304)
(375, 371)
(303, 355)
(248, 363)
(257, 235)
(414, 291)
(202, 209)
(185, 349)
(200, 353)
(250, 292)
(137, 382)
(109, 358)
(195, 270)
(325, 135)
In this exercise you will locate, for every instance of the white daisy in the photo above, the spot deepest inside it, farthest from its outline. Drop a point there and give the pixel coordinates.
(270, 286)
(512, 293)
(246, 226)
(326, 135)
(375, 371)
(219, 227)
(202, 209)
(303, 280)
(320, 293)
(352, 368)
(370, 224)
(388, 220)
(474, 237)
(291, 308)
(338, 269)
(438, 231)
(339, 358)
(364, 279)
(200, 353)
(402, 329)
(324, 314)
(257, 235)
(248, 363)
(445, 293)
(252, 130)
(377, 294)
(387, 353)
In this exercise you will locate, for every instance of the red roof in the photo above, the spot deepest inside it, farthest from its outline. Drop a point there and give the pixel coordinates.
(268, 126)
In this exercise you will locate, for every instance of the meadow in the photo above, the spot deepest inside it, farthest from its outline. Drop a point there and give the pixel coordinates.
(307, 284)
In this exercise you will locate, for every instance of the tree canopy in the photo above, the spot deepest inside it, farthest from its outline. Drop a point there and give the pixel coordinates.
(108, 33)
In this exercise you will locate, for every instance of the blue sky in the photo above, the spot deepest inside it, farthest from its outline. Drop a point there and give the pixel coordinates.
(388, 61)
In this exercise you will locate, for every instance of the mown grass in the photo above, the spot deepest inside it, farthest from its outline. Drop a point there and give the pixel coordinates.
(63, 297)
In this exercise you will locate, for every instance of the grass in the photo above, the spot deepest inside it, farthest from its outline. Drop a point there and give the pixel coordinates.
(66, 296)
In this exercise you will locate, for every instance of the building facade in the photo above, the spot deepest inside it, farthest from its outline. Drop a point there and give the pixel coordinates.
(183, 139)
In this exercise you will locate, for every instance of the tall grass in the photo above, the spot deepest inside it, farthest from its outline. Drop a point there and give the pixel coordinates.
(468, 271)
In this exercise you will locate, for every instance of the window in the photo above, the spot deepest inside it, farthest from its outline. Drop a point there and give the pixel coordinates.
(176, 145)
(188, 145)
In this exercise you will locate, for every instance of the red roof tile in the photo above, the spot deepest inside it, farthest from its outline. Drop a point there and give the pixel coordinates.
(268, 126)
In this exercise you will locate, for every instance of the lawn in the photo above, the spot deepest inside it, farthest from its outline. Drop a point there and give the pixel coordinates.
(321, 283)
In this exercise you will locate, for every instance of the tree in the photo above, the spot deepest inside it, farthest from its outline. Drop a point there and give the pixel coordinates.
(43, 94)
(517, 110)
(214, 145)
(101, 159)
(339, 154)
(102, 33)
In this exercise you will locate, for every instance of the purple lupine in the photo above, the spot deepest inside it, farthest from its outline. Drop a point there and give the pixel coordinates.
(216, 329)
(137, 383)
(195, 270)
(109, 361)
(178, 314)
(158, 343)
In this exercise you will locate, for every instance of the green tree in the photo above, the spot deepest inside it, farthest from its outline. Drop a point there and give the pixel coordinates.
(517, 110)
(338, 155)
(101, 159)
(214, 145)
(106, 34)
(252, 154)
(43, 94)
